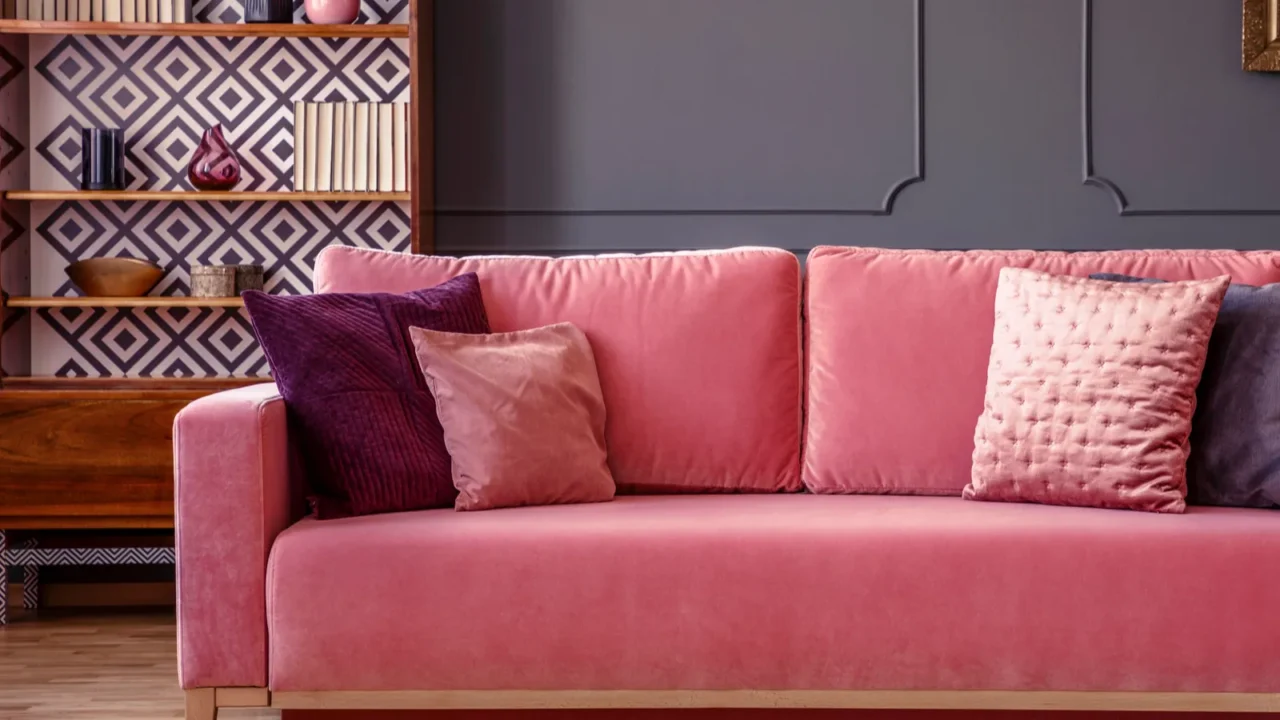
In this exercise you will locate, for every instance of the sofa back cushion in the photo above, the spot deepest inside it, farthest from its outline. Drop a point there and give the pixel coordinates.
(698, 353)
(898, 344)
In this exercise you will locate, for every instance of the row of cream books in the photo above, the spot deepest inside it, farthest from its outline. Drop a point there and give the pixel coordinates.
(129, 11)
(351, 147)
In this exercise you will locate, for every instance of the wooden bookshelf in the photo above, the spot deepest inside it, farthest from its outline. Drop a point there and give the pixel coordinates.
(63, 27)
(422, 101)
(202, 196)
(56, 431)
(150, 301)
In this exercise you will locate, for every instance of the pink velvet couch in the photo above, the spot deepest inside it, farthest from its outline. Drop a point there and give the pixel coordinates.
(892, 593)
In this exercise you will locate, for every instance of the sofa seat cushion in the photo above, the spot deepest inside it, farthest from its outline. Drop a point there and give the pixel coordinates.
(779, 592)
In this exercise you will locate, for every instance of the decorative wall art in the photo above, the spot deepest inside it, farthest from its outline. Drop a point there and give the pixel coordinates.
(1261, 35)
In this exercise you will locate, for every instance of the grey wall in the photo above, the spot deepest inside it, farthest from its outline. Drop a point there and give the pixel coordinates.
(595, 125)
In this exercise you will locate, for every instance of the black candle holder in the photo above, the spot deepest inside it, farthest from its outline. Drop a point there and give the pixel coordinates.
(268, 11)
(102, 159)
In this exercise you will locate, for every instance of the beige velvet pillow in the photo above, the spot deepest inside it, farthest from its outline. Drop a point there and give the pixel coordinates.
(1090, 391)
(522, 413)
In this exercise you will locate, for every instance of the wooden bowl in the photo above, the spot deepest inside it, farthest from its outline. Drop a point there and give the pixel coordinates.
(115, 277)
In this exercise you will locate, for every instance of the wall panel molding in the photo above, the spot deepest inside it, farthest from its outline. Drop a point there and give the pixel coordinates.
(1091, 177)
(916, 175)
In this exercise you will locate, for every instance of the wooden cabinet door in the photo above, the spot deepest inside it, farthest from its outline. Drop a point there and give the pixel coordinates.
(88, 458)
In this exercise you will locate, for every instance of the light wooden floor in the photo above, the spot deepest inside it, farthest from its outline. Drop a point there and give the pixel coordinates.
(99, 666)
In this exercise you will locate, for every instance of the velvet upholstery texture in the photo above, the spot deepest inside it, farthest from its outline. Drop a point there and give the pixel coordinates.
(748, 714)
(896, 378)
(698, 353)
(782, 591)
(1235, 434)
(1090, 391)
(234, 493)
(522, 413)
(358, 403)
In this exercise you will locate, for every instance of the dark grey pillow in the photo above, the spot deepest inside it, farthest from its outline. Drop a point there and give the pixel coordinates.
(1235, 434)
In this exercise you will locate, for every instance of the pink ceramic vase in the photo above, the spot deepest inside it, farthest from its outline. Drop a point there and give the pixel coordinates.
(332, 12)
(214, 165)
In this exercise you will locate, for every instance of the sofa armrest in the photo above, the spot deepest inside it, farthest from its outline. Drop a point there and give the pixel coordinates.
(233, 496)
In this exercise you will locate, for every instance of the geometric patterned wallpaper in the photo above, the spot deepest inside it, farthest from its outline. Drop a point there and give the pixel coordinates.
(164, 92)
(145, 342)
(183, 342)
(15, 246)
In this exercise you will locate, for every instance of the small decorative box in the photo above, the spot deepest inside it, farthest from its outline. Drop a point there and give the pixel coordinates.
(248, 277)
(213, 281)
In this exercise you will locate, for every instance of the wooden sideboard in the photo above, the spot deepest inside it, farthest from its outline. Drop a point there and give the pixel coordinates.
(88, 457)
(86, 454)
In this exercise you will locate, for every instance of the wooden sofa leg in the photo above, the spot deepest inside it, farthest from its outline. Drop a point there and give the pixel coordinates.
(200, 704)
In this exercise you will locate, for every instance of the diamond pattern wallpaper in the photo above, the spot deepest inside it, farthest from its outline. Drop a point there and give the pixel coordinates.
(247, 84)
(164, 92)
(15, 247)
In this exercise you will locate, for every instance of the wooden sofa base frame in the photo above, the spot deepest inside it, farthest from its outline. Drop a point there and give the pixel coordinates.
(203, 703)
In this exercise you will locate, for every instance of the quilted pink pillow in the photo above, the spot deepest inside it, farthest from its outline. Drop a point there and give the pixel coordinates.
(1090, 391)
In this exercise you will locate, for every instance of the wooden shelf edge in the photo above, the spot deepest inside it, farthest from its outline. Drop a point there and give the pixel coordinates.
(86, 522)
(149, 301)
(212, 384)
(198, 196)
(63, 27)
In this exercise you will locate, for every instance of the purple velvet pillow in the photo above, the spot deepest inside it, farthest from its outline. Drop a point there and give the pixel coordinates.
(358, 405)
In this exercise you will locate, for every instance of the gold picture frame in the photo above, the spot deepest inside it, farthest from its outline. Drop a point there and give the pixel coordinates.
(1260, 36)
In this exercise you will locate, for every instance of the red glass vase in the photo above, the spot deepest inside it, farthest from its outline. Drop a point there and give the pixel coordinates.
(215, 165)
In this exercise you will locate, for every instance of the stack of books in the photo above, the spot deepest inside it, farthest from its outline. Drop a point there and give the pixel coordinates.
(128, 11)
(351, 147)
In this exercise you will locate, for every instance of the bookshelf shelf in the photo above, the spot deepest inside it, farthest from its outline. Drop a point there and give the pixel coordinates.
(200, 196)
(124, 302)
(64, 27)
(209, 384)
